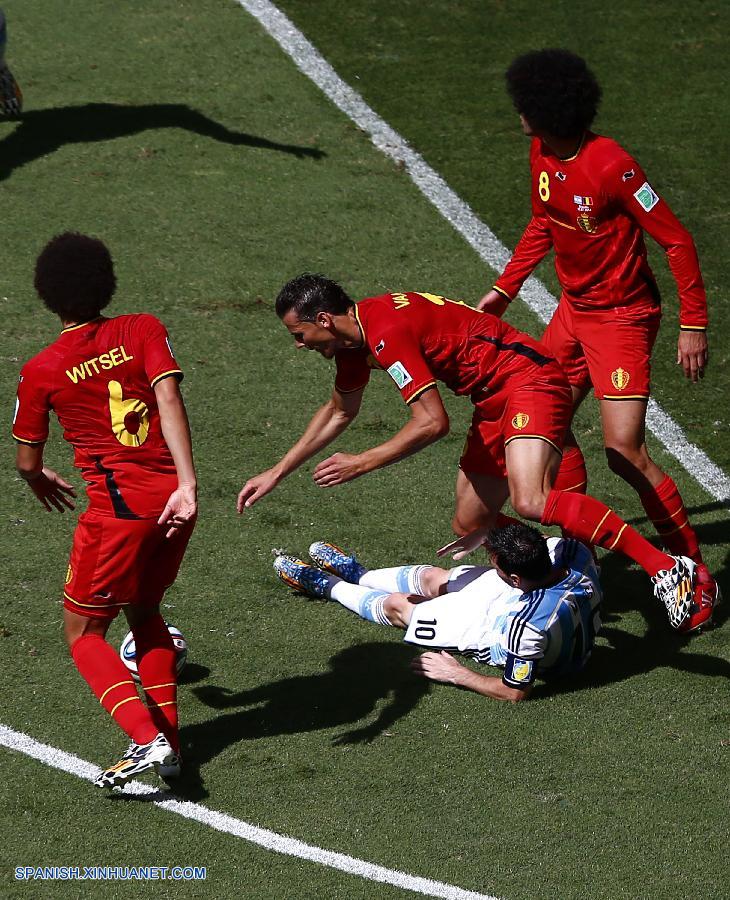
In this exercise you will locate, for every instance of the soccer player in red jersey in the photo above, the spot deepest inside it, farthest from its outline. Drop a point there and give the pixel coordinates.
(591, 202)
(113, 383)
(522, 408)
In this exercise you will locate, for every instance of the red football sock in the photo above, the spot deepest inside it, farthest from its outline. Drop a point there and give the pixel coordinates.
(666, 510)
(157, 666)
(108, 677)
(592, 522)
(572, 475)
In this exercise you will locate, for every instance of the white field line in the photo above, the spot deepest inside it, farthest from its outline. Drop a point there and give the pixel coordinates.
(270, 840)
(494, 253)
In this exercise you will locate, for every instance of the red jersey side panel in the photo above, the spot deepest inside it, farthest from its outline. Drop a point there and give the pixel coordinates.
(420, 339)
(593, 208)
(99, 380)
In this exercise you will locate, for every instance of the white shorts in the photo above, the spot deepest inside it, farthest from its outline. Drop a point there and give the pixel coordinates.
(469, 618)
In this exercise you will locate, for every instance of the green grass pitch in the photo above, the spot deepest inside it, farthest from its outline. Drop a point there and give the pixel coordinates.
(181, 134)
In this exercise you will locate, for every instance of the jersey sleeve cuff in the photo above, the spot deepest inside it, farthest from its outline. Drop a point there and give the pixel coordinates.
(422, 390)
(502, 292)
(176, 373)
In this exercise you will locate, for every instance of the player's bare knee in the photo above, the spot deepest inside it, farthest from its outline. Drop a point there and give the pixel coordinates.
(626, 460)
(432, 580)
(528, 504)
(463, 523)
(397, 609)
(76, 627)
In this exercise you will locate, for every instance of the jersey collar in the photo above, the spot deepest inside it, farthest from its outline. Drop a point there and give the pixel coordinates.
(81, 325)
(360, 326)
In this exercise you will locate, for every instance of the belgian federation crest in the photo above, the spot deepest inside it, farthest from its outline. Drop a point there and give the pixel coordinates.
(587, 223)
(520, 421)
(620, 379)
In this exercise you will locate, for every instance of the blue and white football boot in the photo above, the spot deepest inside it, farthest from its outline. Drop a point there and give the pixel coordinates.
(301, 576)
(334, 560)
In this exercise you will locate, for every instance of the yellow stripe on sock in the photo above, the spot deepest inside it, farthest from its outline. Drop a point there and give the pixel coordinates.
(154, 687)
(617, 537)
(118, 684)
(122, 702)
(663, 533)
(574, 486)
(606, 514)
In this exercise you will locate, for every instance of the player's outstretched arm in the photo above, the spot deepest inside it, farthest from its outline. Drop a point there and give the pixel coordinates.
(444, 668)
(531, 248)
(325, 425)
(427, 424)
(50, 489)
(182, 505)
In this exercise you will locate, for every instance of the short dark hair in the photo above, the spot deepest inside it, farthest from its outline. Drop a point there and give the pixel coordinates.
(74, 276)
(309, 294)
(555, 91)
(520, 550)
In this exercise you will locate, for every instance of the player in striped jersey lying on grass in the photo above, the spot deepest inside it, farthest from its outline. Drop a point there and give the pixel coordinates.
(536, 613)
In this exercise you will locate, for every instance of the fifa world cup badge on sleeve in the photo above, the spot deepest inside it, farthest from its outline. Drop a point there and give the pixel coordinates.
(400, 375)
(646, 197)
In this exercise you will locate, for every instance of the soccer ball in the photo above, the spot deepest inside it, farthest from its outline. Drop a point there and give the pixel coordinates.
(128, 654)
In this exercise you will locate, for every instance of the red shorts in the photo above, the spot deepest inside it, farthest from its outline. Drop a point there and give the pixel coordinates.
(118, 562)
(541, 409)
(607, 348)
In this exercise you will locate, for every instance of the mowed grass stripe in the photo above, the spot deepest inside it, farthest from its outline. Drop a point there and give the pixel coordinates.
(460, 215)
(269, 840)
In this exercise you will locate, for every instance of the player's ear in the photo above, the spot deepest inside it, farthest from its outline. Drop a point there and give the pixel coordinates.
(324, 320)
(515, 581)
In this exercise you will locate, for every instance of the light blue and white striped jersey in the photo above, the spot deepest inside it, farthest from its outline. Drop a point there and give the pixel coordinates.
(551, 631)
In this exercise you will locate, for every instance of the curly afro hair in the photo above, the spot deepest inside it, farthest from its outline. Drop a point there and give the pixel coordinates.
(555, 91)
(74, 276)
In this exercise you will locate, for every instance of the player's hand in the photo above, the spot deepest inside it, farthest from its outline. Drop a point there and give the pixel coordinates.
(181, 508)
(437, 667)
(52, 491)
(494, 303)
(464, 545)
(693, 354)
(256, 488)
(337, 469)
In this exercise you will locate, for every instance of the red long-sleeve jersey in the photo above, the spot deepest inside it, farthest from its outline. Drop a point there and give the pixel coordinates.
(593, 209)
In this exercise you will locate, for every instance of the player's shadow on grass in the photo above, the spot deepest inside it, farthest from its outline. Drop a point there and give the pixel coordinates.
(628, 655)
(41, 132)
(345, 697)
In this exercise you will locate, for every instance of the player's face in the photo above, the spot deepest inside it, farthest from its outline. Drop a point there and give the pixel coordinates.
(312, 335)
(526, 127)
